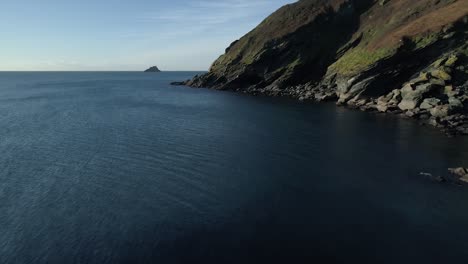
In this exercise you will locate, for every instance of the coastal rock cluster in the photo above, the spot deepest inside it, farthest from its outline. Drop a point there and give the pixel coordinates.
(457, 176)
(396, 56)
(460, 173)
(431, 97)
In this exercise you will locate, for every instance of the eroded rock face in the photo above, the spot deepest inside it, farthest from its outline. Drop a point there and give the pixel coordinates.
(347, 51)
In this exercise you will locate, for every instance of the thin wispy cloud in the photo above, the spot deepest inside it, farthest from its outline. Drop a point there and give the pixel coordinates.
(203, 14)
(124, 34)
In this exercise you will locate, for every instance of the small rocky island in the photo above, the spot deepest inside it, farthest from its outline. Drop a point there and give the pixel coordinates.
(153, 69)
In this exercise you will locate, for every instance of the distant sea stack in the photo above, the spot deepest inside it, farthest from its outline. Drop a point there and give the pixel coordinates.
(403, 57)
(153, 69)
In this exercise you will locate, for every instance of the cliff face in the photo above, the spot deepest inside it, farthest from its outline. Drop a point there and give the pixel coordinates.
(399, 56)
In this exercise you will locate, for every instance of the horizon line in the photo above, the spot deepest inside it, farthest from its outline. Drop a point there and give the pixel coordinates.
(99, 71)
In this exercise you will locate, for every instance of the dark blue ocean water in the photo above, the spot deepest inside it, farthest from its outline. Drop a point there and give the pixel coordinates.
(123, 168)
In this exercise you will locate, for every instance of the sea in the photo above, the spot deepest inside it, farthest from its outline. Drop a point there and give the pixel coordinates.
(122, 167)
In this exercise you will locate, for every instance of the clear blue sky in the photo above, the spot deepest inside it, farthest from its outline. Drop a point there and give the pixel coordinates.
(123, 34)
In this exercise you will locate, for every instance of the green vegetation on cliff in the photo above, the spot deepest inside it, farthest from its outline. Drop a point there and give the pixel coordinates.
(313, 40)
(359, 59)
(397, 56)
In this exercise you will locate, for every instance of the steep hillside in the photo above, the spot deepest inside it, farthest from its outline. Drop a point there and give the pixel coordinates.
(400, 56)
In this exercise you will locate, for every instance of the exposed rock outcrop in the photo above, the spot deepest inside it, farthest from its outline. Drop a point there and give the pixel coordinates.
(433, 96)
(460, 173)
(435, 178)
(397, 56)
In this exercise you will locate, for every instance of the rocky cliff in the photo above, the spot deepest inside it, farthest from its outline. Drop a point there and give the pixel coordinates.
(400, 56)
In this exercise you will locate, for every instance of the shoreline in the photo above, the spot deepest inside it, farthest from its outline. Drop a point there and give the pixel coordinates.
(457, 176)
(410, 68)
(451, 125)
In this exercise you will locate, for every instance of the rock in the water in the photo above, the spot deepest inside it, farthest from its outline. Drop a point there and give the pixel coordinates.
(433, 121)
(153, 69)
(382, 107)
(326, 97)
(462, 173)
(178, 83)
(407, 104)
(432, 177)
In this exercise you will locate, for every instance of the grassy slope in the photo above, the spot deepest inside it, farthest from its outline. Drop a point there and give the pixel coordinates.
(314, 38)
(287, 19)
(384, 27)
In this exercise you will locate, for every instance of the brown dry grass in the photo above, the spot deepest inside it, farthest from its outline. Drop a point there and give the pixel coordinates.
(433, 20)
